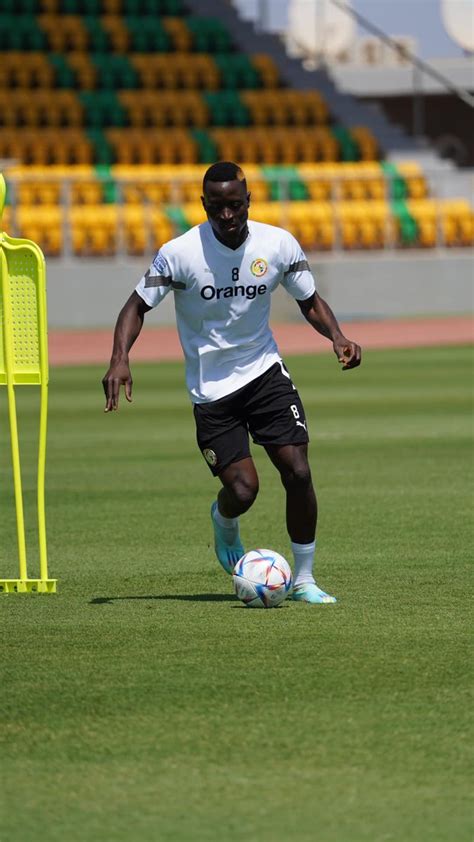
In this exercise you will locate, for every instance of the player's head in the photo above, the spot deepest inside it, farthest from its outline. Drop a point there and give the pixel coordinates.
(226, 202)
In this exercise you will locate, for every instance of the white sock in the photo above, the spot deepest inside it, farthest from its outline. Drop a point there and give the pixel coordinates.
(225, 522)
(303, 555)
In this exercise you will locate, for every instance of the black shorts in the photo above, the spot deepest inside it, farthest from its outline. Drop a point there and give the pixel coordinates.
(269, 408)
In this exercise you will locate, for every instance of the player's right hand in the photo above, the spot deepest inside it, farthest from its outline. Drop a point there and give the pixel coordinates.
(118, 375)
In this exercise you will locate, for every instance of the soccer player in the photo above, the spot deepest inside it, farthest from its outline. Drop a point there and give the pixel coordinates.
(222, 274)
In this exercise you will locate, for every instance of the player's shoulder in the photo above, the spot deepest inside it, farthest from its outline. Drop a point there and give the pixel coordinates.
(272, 235)
(263, 228)
(179, 254)
(183, 244)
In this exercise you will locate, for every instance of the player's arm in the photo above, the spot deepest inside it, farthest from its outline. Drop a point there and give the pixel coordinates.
(127, 329)
(320, 316)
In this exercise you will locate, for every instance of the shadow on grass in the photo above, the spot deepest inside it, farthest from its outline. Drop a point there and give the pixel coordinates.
(198, 597)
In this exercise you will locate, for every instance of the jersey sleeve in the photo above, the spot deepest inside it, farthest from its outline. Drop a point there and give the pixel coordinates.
(156, 282)
(297, 278)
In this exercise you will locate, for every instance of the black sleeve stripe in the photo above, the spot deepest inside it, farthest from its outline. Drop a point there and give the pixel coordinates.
(300, 266)
(162, 281)
(156, 281)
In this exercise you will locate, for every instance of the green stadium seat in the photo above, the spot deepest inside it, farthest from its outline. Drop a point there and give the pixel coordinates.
(81, 7)
(348, 147)
(21, 34)
(148, 35)
(24, 7)
(65, 76)
(163, 7)
(210, 36)
(237, 71)
(99, 41)
(227, 109)
(109, 187)
(103, 151)
(7, 24)
(397, 185)
(102, 109)
(207, 146)
(408, 230)
(114, 71)
(407, 224)
(152, 7)
(285, 183)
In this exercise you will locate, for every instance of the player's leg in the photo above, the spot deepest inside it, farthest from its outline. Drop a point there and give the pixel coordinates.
(238, 492)
(239, 488)
(277, 421)
(223, 440)
(301, 517)
(301, 506)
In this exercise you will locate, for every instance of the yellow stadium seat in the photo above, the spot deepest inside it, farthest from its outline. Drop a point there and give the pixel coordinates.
(366, 141)
(165, 108)
(168, 146)
(316, 180)
(414, 178)
(43, 224)
(457, 222)
(285, 107)
(43, 108)
(267, 69)
(65, 32)
(26, 70)
(159, 183)
(50, 6)
(110, 7)
(352, 184)
(273, 213)
(132, 225)
(312, 223)
(424, 211)
(162, 230)
(374, 179)
(94, 230)
(86, 72)
(179, 33)
(365, 224)
(117, 31)
(194, 213)
(176, 70)
(279, 146)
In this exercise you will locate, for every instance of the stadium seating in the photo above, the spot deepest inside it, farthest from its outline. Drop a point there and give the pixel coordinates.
(457, 222)
(110, 111)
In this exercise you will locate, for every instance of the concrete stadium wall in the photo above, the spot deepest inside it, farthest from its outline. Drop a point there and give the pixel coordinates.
(89, 293)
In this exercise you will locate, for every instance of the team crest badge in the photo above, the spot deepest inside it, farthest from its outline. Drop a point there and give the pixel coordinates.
(210, 456)
(259, 267)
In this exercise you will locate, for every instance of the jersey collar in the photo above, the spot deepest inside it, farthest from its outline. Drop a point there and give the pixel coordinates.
(225, 249)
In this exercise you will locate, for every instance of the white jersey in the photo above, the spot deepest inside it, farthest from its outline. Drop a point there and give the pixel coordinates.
(222, 302)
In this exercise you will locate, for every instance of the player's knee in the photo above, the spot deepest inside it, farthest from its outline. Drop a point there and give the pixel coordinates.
(297, 476)
(245, 491)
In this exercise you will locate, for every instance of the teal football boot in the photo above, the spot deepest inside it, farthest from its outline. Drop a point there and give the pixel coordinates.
(227, 544)
(310, 592)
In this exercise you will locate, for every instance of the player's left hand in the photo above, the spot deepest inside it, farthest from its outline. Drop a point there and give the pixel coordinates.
(348, 353)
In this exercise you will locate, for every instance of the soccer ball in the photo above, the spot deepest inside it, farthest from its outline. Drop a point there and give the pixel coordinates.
(262, 579)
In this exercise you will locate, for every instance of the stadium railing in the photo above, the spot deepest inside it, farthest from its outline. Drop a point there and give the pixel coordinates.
(132, 210)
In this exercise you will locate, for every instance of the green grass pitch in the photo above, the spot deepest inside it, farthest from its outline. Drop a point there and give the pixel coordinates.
(142, 703)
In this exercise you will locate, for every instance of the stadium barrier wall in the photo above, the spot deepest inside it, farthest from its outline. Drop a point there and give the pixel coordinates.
(88, 293)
